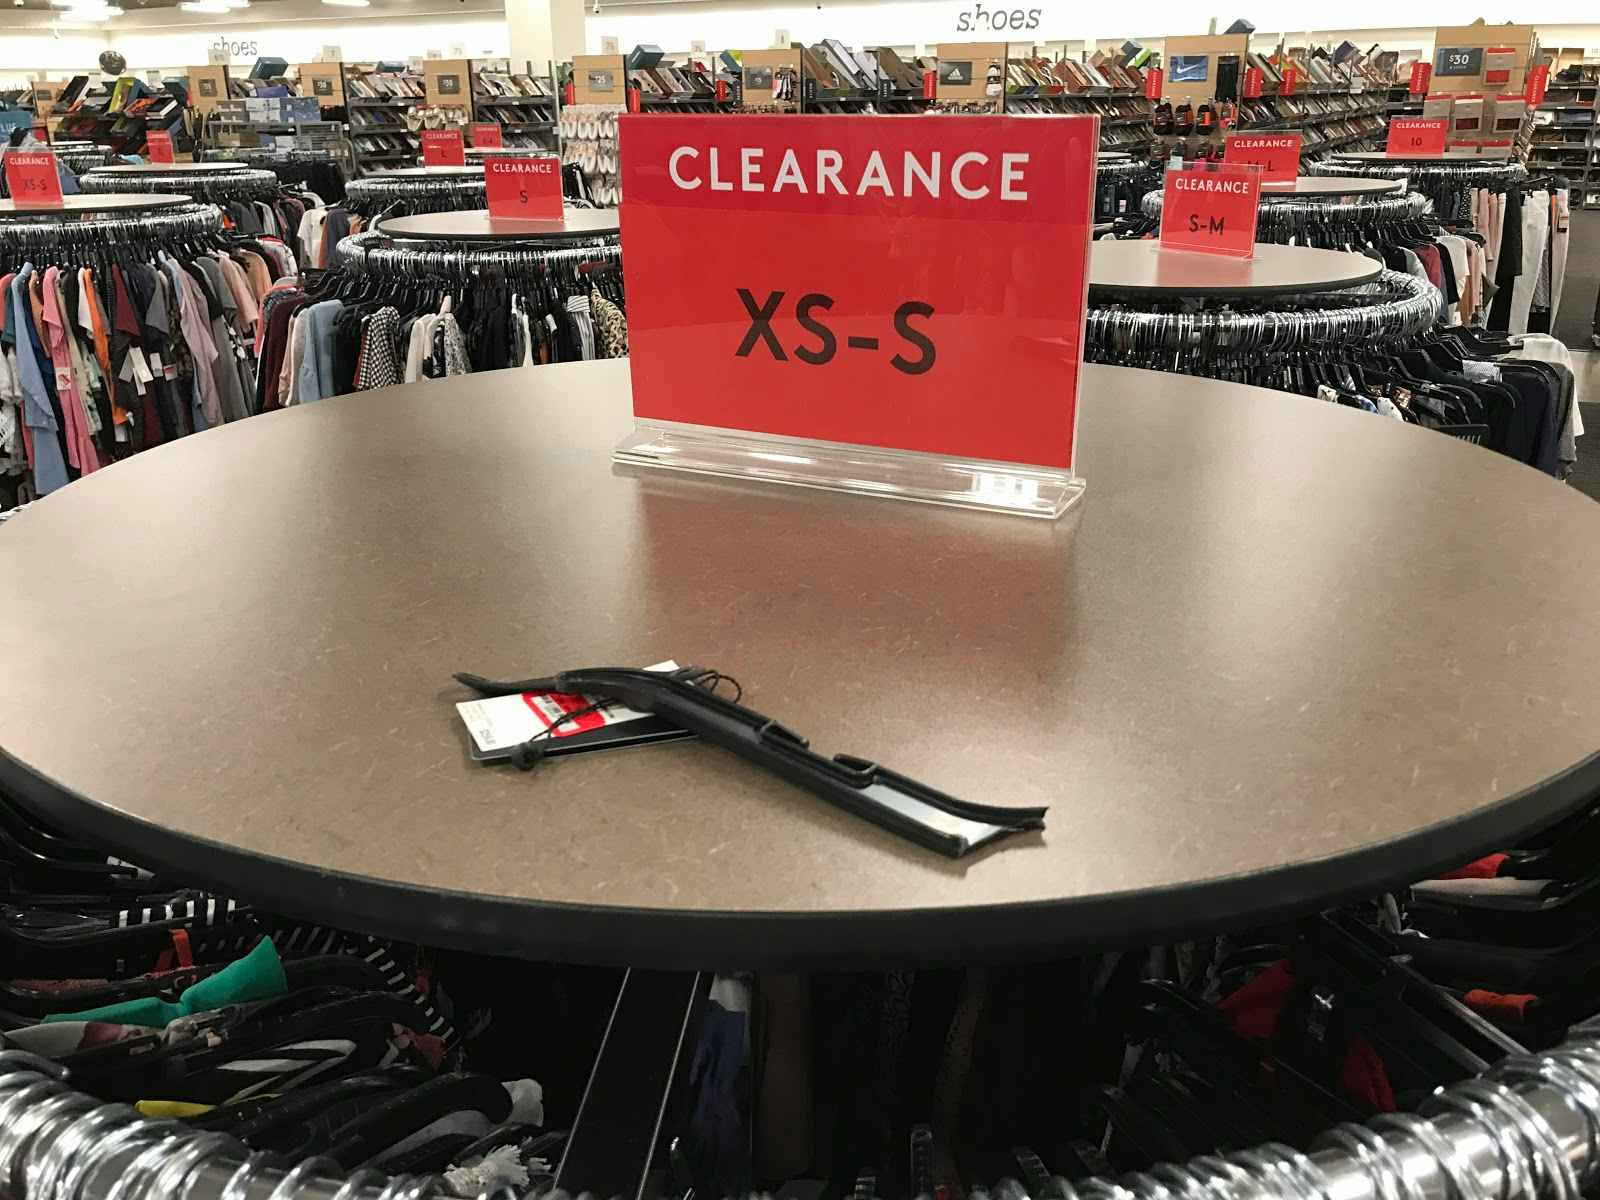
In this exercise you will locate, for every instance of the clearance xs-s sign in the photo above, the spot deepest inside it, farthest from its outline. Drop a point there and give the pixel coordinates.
(914, 285)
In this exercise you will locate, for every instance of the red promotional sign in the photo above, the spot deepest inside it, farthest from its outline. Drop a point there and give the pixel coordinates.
(158, 145)
(1291, 80)
(1538, 84)
(32, 179)
(1277, 154)
(1421, 77)
(1154, 79)
(875, 281)
(486, 135)
(1417, 136)
(443, 148)
(930, 85)
(1252, 83)
(722, 91)
(1211, 209)
(526, 188)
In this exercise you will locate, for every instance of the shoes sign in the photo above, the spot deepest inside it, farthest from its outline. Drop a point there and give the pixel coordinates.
(32, 179)
(1277, 154)
(527, 189)
(443, 148)
(876, 282)
(1211, 208)
(1417, 137)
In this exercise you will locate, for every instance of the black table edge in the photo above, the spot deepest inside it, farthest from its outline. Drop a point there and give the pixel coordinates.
(619, 936)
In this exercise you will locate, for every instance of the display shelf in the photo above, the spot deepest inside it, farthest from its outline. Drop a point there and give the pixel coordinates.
(684, 856)
(381, 98)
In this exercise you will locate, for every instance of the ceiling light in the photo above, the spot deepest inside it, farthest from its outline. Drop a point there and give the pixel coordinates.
(205, 6)
(348, 3)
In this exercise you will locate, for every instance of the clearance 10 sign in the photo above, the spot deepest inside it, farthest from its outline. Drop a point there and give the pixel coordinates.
(913, 285)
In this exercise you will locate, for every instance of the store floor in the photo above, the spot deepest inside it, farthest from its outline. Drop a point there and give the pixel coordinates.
(1575, 321)
(1586, 366)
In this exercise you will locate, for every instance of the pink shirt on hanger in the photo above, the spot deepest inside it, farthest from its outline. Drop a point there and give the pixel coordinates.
(80, 446)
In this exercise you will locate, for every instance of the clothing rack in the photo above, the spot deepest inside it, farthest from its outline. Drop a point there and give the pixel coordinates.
(27, 235)
(397, 193)
(375, 254)
(1394, 307)
(1443, 180)
(1529, 1128)
(246, 183)
(1282, 218)
(1119, 184)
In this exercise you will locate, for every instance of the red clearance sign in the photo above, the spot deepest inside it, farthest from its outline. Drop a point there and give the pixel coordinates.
(1417, 136)
(1277, 154)
(524, 188)
(1291, 80)
(1538, 84)
(1421, 77)
(32, 179)
(486, 134)
(1252, 83)
(158, 144)
(1154, 78)
(1211, 209)
(443, 148)
(875, 281)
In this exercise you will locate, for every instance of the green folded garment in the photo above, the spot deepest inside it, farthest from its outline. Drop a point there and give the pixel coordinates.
(257, 976)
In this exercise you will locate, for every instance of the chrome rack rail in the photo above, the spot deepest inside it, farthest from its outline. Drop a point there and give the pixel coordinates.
(1527, 1130)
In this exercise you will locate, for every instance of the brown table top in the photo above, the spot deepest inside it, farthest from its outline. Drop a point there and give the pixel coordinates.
(1284, 653)
(1330, 185)
(1144, 267)
(476, 225)
(85, 204)
(181, 167)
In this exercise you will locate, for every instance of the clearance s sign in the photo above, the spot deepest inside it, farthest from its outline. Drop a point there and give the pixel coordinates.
(913, 285)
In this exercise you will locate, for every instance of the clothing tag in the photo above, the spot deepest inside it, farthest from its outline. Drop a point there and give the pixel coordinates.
(63, 379)
(155, 361)
(550, 321)
(499, 724)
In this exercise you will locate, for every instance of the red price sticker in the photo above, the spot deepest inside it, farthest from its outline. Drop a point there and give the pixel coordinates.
(486, 135)
(1417, 137)
(1291, 80)
(1421, 77)
(526, 188)
(1212, 209)
(1277, 154)
(158, 145)
(443, 148)
(876, 281)
(32, 179)
(1154, 79)
(1538, 84)
(1252, 83)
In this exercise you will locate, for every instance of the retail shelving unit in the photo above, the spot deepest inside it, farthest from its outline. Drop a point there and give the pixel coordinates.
(1564, 135)
(376, 103)
(115, 114)
(522, 103)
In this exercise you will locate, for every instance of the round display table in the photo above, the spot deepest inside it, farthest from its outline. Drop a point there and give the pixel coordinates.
(1285, 654)
(171, 168)
(476, 225)
(1144, 268)
(1330, 185)
(91, 205)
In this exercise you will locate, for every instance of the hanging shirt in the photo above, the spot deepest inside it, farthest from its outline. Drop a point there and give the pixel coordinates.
(49, 464)
(80, 445)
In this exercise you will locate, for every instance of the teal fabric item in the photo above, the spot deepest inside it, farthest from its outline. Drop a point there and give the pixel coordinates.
(257, 976)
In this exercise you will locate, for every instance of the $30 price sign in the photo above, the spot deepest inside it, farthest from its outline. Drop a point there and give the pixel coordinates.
(913, 285)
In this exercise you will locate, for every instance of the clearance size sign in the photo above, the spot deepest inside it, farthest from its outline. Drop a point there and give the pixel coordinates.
(914, 285)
